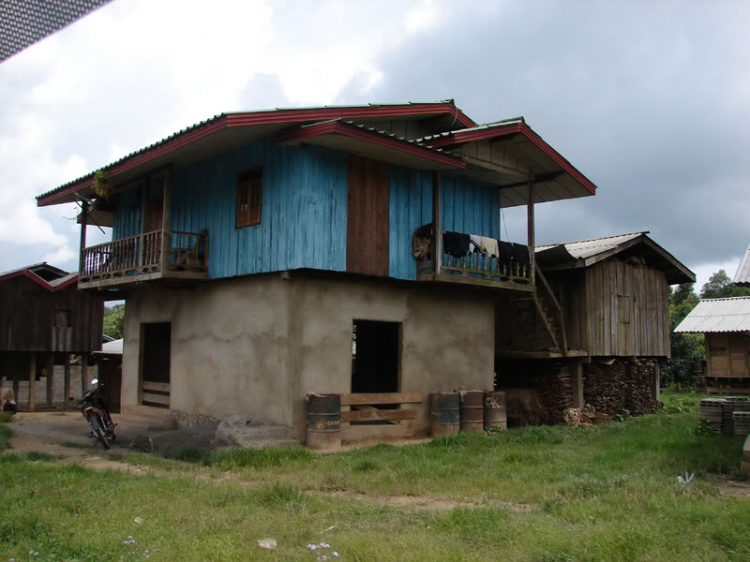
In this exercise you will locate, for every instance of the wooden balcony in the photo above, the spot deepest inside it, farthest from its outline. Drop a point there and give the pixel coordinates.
(145, 257)
(478, 269)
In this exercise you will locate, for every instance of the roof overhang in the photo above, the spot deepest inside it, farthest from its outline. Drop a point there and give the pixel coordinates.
(742, 277)
(554, 177)
(25, 273)
(557, 257)
(228, 131)
(370, 143)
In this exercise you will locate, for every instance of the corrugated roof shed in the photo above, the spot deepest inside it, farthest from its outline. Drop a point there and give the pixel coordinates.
(111, 348)
(718, 315)
(582, 249)
(743, 271)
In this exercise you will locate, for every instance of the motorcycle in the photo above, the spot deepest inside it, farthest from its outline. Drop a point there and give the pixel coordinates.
(94, 409)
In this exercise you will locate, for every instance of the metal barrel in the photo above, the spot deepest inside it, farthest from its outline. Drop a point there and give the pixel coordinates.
(494, 410)
(472, 411)
(324, 421)
(445, 408)
(745, 464)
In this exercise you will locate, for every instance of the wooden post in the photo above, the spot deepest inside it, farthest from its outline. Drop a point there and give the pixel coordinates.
(50, 378)
(576, 379)
(84, 372)
(66, 382)
(437, 224)
(32, 382)
(16, 384)
(144, 221)
(166, 244)
(530, 224)
(84, 224)
(657, 381)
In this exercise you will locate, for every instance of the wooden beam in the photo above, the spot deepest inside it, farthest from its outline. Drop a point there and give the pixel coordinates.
(50, 378)
(84, 224)
(545, 321)
(508, 354)
(560, 315)
(364, 399)
(156, 386)
(437, 224)
(378, 415)
(166, 216)
(145, 196)
(530, 225)
(66, 381)
(576, 379)
(32, 382)
(84, 373)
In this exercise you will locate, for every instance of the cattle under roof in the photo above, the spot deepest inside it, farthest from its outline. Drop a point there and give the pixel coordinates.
(585, 253)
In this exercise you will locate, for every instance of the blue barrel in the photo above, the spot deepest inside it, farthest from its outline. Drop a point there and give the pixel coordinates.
(445, 408)
(324, 421)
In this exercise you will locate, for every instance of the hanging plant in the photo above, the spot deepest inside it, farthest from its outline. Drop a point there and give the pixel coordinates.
(101, 184)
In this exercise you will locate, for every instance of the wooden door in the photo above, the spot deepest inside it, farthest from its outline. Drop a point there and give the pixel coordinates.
(155, 214)
(367, 219)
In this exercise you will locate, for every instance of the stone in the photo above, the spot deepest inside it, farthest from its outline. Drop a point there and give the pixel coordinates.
(142, 443)
(243, 431)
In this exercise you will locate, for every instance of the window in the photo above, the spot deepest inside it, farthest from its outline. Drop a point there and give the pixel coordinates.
(249, 197)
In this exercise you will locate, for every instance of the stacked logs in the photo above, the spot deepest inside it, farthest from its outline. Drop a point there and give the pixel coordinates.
(555, 392)
(639, 382)
(604, 386)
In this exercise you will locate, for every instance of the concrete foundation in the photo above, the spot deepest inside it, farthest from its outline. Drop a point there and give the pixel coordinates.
(258, 344)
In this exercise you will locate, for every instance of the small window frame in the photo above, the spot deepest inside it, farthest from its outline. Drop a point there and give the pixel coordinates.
(249, 197)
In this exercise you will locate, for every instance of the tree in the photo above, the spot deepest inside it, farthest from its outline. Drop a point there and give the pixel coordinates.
(114, 318)
(687, 349)
(720, 286)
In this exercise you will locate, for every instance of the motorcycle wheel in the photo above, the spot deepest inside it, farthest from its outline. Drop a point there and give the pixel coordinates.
(101, 437)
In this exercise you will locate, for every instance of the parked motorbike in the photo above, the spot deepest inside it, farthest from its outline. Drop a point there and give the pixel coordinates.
(94, 409)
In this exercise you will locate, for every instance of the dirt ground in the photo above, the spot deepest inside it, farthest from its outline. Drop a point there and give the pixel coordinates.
(67, 435)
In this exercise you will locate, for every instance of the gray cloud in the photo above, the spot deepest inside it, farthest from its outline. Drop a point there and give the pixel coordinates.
(649, 100)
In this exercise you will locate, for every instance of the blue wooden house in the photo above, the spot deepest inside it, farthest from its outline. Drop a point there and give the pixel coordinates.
(354, 250)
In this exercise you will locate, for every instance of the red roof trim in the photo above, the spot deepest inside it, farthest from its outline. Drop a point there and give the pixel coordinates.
(352, 131)
(260, 118)
(38, 280)
(469, 136)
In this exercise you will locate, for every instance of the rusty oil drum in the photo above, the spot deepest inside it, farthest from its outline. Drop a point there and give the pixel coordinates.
(494, 410)
(445, 410)
(324, 421)
(472, 411)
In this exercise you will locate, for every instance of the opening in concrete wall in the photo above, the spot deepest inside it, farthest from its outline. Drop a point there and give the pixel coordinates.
(155, 363)
(376, 356)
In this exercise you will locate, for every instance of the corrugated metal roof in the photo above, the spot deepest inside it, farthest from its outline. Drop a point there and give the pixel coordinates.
(111, 348)
(503, 123)
(743, 271)
(582, 249)
(63, 279)
(718, 315)
(219, 116)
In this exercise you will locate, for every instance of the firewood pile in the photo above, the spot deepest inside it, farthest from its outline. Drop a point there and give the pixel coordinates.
(555, 393)
(604, 386)
(523, 407)
(640, 378)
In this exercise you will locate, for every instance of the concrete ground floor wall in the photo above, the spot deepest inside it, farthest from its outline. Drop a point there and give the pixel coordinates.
(257, 345)
(6, 385)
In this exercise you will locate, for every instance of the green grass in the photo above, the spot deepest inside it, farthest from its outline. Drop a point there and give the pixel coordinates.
(5, 435)
(6, 417)
(535, 495)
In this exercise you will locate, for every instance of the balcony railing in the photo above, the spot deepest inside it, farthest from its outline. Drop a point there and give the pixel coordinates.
(140, 257)
(511, 269)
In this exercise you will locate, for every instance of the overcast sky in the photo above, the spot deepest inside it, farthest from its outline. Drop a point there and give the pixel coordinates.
(650, 100)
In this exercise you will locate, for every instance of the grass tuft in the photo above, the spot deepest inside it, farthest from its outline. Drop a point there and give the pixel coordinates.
(6, 417)
(5, 435)
(283, 496)
(247, 457)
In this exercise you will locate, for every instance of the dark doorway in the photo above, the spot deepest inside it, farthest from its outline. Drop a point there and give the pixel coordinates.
(155, 353)
(376, 354)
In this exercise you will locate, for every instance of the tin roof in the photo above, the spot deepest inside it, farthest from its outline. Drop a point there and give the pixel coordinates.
(264, 122)
(585, 253)
(110, 348)
(46, 276)
(743, 271)
(718, 315)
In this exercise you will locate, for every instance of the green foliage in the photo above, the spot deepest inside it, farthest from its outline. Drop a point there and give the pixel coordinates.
(114, 319)
(101, 184)
(5, 434)
(6, 417)
(720, 286)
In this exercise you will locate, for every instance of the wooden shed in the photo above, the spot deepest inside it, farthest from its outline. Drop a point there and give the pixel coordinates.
(603, 318)
(726, 325)
(45, 321)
